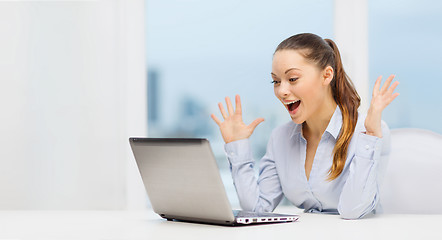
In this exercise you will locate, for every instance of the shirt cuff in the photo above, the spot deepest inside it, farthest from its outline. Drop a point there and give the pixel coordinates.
(368, 147)
(238, 151)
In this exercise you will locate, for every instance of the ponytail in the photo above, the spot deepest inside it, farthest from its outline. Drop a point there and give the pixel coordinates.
(324, 52)
(348, 101)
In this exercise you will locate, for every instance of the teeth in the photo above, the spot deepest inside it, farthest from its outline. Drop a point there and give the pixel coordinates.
(291, 102)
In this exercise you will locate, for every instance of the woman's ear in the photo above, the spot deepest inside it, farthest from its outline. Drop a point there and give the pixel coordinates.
(328, 74)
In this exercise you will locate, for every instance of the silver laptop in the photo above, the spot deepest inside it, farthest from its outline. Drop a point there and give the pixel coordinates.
(182, 181)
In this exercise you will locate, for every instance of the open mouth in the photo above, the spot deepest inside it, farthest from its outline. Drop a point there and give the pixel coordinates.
(293, 106)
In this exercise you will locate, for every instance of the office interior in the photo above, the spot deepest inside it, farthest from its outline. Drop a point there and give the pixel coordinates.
(81, 77)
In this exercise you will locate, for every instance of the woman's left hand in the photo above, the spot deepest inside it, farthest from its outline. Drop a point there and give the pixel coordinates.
(380, 100)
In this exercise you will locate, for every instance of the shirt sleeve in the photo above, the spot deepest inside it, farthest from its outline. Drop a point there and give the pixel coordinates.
(360, 194)
(257, 195)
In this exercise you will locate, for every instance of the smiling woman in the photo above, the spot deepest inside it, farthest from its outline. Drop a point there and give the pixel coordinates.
(329, 157)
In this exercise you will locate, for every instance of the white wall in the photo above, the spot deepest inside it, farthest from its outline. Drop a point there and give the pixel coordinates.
(72, 91)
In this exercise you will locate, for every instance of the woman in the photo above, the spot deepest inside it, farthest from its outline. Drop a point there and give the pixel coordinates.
(329, 158)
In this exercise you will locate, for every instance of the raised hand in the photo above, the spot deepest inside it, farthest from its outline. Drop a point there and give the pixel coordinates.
(382, 97)
(233, 128)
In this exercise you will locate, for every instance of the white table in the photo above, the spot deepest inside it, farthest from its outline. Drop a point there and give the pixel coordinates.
(113, 225)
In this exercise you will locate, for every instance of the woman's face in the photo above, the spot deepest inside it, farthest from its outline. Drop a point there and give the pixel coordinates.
(300, 85)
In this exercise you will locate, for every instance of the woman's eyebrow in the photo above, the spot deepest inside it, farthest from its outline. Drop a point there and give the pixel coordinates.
(286, 71)
(290, 69)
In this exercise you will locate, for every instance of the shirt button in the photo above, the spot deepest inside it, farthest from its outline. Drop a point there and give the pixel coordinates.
(367, 147)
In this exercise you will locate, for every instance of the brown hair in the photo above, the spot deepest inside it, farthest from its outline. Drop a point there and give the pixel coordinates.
(324, 52)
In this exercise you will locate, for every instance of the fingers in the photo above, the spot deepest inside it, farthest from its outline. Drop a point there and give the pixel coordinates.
(230, 110)
(393, 97)
(377, 85)
(255, 123)
(217, 121)
(392, 88)
(385, 95)
(221, 109)
(387, 83)
(386, 88)
(229, 106)
(389, 88)
(238, 105)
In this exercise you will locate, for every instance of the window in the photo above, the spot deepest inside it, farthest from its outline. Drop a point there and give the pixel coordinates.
(404, 39)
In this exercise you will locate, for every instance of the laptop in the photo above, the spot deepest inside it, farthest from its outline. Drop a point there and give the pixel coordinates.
(183, 183)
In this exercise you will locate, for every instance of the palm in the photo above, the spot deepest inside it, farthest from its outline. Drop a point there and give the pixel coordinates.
(233, 128)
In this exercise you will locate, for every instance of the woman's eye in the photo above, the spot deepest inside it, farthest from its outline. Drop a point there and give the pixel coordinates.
(293, 79)
(274, 82)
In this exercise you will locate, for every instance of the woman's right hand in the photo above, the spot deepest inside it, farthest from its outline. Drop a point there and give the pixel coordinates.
(233, 128)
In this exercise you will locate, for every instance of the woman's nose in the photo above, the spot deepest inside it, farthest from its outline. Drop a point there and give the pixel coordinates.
(284, 89)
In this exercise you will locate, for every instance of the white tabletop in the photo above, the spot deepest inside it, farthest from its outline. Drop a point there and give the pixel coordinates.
(113, 225)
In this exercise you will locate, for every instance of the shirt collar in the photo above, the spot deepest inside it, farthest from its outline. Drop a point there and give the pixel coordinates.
(334, 126)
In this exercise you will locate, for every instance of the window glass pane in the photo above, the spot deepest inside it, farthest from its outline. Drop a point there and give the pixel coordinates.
(405, 39)
(198, 52)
